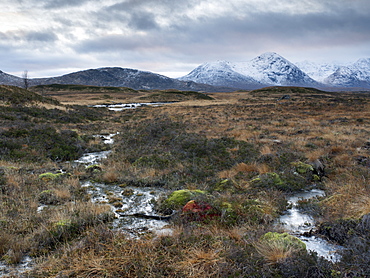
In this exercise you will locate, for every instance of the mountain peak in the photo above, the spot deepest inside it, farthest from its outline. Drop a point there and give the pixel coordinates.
(268, 55)
(267, 69)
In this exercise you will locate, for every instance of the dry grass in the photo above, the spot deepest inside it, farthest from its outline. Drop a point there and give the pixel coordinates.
(110, 176)
(306, 128)
(275, 251)
(201, 263)
(349, 198)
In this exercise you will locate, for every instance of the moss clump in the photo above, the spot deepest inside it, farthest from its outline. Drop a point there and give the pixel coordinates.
(50, 176)
(277, 248)
(268, 180)
(302, 168)
(179, 198)
(285, 239)
(63, 223)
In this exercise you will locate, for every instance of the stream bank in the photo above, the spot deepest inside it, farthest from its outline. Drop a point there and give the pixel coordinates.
(300, 224)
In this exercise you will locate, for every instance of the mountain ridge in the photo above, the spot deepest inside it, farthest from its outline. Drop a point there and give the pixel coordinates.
(267, 69)
(115, 77)
(271, 69)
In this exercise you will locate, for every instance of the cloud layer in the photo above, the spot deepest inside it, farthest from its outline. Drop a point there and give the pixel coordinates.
(47, 37)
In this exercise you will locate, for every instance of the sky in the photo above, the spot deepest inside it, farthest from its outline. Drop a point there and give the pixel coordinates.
(55, 37)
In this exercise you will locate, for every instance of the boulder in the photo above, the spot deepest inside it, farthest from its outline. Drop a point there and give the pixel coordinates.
(318, 167)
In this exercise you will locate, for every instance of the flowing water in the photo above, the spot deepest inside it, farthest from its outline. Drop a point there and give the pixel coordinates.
(297, 223)
(132, 201)
(140, 201)
(124, 106)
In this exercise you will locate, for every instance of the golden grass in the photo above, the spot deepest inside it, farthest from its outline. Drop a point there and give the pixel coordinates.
(314, 128)
(110, 176)
(274, 251)
(201, 263)
(349, 199)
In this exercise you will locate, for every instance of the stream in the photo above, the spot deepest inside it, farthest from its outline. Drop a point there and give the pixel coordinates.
(124, 106)
(297, 223)
(133, 200)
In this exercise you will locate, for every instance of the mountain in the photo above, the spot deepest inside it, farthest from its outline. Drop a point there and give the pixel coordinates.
(352, 75)
(221, 73)
(8, 79)
(115, 77)
(317, 71)
(265, 70)
(268, 69)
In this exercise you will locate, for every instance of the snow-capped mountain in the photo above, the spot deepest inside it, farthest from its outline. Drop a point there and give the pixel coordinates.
(264, 70)
(353, 75)
(268, 69)
(220, 73)
(318, 71)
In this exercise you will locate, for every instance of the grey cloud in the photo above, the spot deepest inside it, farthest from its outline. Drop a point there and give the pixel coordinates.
(115, 43)
(57, 4)
(226, 33)
(171, 30)
(33, 36)
(143, 21)
(45, 36)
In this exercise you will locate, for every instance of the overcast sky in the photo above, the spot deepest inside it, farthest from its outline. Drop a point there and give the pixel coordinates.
(171, 37)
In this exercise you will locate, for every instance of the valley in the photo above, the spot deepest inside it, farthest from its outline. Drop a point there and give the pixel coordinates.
(222, 165)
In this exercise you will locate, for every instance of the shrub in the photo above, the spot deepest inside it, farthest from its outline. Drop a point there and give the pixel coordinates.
(38, 142)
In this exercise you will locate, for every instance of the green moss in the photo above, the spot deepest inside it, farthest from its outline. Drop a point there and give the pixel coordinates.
(179, 198)
(302, 168)
(226, 206)
(221, 185)
(285, 239)
(268, 180)
(63, 223)
(49, 176)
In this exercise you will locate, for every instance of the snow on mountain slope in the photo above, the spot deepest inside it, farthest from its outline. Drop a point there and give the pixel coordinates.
(362, 68)
(264, 70)
(220, 73)
(271, 68)
(354, 75)
(317, 71)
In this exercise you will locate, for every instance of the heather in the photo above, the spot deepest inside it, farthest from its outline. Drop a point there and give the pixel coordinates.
(226, 164)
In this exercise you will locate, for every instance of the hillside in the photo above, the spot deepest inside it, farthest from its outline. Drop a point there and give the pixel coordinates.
(12, 95)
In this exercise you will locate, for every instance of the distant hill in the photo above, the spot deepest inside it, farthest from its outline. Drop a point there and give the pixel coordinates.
(116, 77)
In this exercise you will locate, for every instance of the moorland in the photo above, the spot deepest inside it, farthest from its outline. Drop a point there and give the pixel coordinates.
(231, 158)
